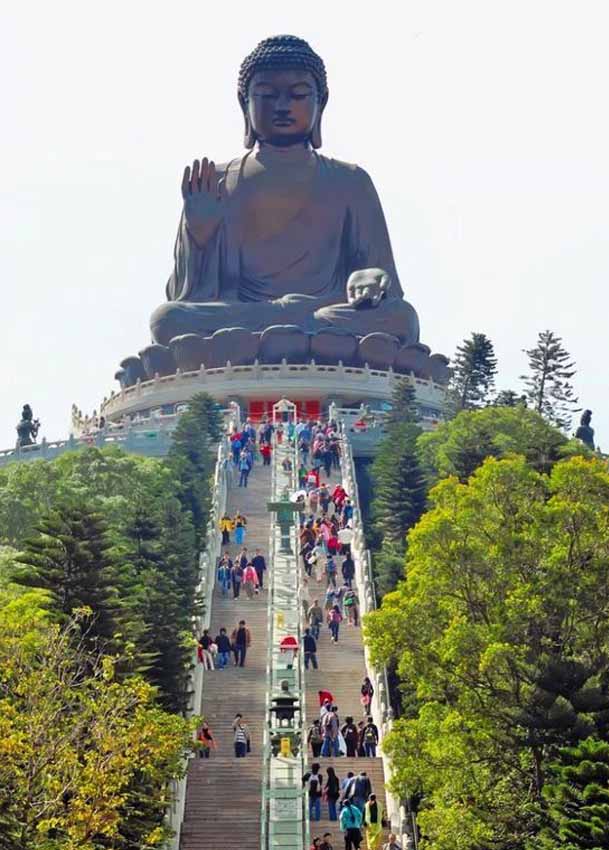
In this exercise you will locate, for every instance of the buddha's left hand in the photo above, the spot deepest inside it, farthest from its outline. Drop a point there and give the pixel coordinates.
(367, 287)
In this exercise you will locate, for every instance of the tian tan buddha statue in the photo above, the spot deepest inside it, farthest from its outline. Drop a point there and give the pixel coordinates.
(282, 237)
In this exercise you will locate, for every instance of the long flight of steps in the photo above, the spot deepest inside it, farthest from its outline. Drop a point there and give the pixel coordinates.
(223, 801)
(341, 671)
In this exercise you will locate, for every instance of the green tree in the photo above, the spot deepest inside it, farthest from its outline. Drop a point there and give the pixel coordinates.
(509, 398)
(548, 386)
(577, 795)
(399, 500)
(69, 557)
(85, 761)
(474, 371)
(404, 406)
(501, 629)
(459, 446)
(191, 457)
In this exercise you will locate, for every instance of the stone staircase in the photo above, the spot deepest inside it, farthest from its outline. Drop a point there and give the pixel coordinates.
(223, 798)
(341, 671)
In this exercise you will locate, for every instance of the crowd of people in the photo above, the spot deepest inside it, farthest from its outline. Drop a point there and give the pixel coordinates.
(350, 800)
(325, 536)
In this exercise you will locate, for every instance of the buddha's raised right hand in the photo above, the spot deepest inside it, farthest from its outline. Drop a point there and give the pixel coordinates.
(204, 200)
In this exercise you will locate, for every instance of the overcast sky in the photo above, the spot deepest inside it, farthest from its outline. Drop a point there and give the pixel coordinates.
(483, 125)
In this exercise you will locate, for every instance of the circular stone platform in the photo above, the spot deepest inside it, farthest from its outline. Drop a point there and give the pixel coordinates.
(249, 385)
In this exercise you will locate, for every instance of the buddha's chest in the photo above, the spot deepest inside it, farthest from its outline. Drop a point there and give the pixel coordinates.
(268, 204)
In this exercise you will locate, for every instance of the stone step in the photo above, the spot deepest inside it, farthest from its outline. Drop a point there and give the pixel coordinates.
(223, 799)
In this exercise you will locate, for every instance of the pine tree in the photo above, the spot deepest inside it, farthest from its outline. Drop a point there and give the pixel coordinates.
(404, 406)
(577, 795)
(70, 558)
(548, 386)
(509, 398)
(474, 370)
(191, 457)
(398, 503)
(157, 615)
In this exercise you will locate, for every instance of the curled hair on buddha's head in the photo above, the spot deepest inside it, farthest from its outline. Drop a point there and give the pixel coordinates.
(283, 52)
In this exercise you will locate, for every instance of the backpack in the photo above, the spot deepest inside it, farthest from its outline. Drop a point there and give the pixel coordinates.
(369, 735)
(316, 736)
(331, 566)
(314, 785)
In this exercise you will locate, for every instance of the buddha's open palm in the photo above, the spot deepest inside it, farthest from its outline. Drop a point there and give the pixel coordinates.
(366, 287)
(204, 199)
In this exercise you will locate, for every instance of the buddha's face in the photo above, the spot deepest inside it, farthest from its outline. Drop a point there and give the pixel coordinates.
(283, 106)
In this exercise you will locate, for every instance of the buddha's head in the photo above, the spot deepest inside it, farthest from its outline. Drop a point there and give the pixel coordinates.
(283, 92)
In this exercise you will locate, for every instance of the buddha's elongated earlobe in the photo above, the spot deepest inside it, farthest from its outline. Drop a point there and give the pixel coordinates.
(316, 131)
(249, 137)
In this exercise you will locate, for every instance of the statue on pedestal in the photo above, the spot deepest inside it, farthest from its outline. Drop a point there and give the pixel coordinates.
(282, 252)
(27, 428)
(585, 432)
(282, 235)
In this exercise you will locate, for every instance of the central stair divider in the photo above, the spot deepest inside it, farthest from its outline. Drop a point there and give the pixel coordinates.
(284, 822)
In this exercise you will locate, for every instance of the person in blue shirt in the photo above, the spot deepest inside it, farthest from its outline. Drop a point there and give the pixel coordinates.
(350, 822)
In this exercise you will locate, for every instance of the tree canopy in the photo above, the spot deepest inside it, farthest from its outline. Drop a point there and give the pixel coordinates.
(500, 634)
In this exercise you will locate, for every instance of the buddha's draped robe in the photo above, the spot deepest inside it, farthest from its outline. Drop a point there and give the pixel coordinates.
(295, 226)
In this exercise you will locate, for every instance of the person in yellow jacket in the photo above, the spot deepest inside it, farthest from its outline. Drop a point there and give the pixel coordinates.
(226, 526)
(373, 822)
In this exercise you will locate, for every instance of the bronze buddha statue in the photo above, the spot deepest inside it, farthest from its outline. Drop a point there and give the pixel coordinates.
(282, 252)
(282, 235)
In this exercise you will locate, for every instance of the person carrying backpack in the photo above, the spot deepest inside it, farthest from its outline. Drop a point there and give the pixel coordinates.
(314, 781)
(370, 738)
(331, 571)
(315, 738)
(330, 729)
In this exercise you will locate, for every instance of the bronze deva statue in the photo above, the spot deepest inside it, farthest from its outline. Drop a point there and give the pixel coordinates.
(282, 235)
(585, 432)
(28, 427)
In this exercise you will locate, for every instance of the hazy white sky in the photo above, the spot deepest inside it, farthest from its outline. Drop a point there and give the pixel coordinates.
(483, 124)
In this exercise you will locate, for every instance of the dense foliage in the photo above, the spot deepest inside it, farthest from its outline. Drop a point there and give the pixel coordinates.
(84, 758)
(98, 577)
(578, 798)
(500, 635)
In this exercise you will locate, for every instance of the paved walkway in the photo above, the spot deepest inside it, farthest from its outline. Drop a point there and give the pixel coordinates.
(223, 804)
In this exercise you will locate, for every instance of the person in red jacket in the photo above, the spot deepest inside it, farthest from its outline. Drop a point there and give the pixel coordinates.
(265, 451)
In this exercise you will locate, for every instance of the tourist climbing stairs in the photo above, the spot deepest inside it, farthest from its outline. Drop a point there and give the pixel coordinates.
(223, 799)
(342, 668)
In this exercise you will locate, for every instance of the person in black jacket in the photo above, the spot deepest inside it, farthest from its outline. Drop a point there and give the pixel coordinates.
(259, 564)
(309, 645)
(224, 649)
(332, 792)
(348, 570)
